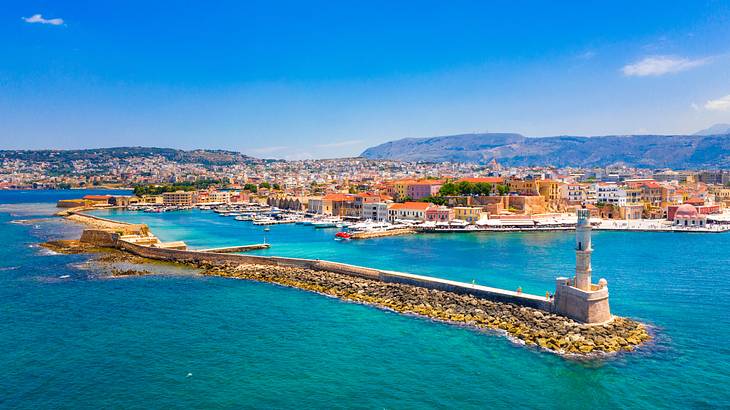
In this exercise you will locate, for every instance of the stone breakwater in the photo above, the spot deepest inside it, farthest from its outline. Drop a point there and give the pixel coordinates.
(531, 326)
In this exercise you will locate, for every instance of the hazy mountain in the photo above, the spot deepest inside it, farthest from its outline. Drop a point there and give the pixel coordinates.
(100, 155)
(717, 129)
(650, 151)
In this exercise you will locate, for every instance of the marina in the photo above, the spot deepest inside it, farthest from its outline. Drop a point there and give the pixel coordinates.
(529, 260)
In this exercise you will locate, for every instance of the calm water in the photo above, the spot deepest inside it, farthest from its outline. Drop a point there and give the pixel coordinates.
(183, 340)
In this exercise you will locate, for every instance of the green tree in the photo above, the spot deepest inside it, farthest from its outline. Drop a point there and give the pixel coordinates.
(265, 185)
(448, 189)
(438, 200)
(250, 187)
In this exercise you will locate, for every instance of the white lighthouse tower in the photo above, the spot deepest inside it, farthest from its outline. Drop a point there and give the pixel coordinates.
(583, 250)
(578, 297)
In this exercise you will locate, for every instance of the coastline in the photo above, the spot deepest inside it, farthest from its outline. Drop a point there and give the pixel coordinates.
(529, 326)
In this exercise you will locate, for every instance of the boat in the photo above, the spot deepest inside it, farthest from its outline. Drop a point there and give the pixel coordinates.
(342, 235)
(267, 229)
(325, 223)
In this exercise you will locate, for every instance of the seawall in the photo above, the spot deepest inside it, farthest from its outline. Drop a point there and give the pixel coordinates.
(484, 292)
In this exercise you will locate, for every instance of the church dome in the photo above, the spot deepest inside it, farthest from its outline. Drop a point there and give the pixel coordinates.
(686, 211)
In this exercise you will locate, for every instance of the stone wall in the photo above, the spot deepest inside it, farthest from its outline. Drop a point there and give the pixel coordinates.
(99, 237)
(494, 294)
(586, 307)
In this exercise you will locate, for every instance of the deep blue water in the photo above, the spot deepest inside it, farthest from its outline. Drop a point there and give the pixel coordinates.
(93, 342)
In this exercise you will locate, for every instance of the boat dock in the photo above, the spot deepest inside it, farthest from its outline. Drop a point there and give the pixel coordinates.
(382, 234)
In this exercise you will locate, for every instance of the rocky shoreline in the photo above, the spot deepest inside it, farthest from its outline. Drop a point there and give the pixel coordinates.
(530, 326)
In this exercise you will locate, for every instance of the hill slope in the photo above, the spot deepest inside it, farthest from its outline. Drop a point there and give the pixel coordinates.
(649, 151)
(205, 157)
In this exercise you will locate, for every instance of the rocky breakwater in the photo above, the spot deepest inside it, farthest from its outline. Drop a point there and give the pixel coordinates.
(530, 326)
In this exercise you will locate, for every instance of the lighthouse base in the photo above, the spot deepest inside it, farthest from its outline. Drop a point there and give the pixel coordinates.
(589, 307)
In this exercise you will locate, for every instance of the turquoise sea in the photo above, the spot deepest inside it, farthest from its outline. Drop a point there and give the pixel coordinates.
(180, 340)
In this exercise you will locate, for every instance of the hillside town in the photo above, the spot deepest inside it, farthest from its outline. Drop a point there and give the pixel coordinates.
(436, 196)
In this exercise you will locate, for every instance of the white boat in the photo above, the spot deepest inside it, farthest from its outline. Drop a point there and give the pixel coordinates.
(264, 220)
(326, 223)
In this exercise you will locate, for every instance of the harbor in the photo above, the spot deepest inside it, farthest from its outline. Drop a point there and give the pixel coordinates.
(554, 323)
(194, 311)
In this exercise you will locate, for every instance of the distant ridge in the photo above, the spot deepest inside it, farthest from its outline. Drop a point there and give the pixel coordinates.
(717, 129)
(645, 151)
(198, 156)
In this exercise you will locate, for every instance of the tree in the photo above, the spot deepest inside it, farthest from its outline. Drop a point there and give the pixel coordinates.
(250, 187)
(448, 189)
(503, 190)
(276, 186)
(438, 200)
(265, 185)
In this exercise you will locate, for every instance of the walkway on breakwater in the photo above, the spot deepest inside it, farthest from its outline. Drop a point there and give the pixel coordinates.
(236, 249)
(428, 282)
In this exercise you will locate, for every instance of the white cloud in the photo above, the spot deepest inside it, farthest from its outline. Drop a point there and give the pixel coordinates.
(660, 65)
(38, 18)
(720, 104)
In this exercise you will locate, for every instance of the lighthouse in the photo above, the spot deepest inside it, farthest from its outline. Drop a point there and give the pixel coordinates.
(583, 250)
(577, 297)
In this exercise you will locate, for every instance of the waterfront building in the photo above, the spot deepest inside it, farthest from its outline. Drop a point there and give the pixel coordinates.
(335, 204)
(408, 211)
(687, 215)
(284, 201)
(439, 214)
(315, 205)
(469, 214)
(179, 198)
(610, 193)
(376, 211)
(95, 200)
(575, 194)
(223, 197)
(631, 211)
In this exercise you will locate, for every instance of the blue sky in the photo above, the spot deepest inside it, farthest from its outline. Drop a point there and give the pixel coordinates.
(323, 79)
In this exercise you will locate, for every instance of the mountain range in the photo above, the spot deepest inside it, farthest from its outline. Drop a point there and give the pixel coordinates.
(644, 151)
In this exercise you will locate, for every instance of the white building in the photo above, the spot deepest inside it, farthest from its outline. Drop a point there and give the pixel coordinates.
(611, 194)
(377, 211)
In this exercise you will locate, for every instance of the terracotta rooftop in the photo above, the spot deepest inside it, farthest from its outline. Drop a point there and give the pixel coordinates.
(420, 206)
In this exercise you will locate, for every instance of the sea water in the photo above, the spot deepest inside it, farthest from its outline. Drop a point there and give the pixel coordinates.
(183, 340)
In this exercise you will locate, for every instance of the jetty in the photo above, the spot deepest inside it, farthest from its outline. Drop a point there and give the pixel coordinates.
(382, 233)
(574, 321)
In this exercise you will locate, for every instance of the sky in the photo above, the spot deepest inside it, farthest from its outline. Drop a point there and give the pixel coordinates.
(312, 79)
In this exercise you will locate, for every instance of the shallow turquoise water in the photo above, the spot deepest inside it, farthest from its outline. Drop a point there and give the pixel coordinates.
(91, 342)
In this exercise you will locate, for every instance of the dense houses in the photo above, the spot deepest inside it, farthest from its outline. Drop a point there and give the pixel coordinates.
(356, 188)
